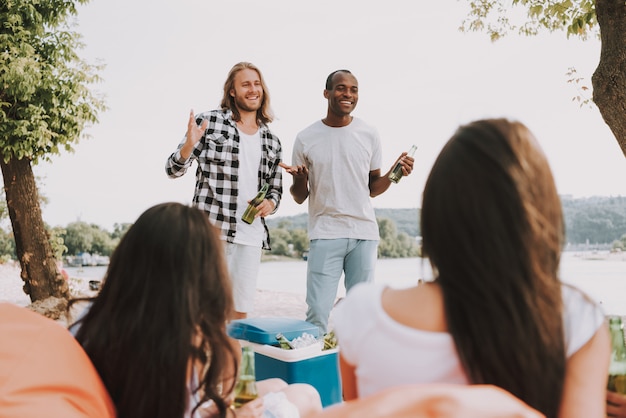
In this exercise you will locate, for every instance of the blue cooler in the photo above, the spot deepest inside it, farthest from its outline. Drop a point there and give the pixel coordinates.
(312, 365)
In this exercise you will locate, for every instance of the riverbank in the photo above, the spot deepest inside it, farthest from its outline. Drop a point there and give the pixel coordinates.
(282, 282)
(268, 303)
(602, 255)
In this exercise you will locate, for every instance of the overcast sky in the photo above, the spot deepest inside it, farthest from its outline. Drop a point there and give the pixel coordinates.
(419, 78)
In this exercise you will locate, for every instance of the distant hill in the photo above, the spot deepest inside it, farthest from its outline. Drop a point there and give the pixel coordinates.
(406, 220)
(588, 220)
(593, 220)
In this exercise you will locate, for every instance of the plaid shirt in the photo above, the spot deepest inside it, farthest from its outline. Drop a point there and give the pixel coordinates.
(216, 176)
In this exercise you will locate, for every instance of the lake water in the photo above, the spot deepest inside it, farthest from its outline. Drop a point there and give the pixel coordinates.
(604, 279)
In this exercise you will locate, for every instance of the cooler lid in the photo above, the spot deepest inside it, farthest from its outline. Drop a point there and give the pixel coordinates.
(264, 330)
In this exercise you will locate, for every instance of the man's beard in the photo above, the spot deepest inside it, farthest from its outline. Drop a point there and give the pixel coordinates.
(243, 106)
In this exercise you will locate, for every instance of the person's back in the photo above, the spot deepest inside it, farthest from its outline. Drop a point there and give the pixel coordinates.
(405, 325)
(44, 371)
(156, 332)
(496, 312)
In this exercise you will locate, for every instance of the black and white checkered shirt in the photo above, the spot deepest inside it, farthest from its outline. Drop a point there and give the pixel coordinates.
(217, 154)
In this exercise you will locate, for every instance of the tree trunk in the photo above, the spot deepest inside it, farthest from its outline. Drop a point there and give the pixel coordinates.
(40, 274)
(609, 79)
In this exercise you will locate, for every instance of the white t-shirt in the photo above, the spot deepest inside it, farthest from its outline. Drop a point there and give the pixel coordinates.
(387, 353)
(248, 185)
(339, 161)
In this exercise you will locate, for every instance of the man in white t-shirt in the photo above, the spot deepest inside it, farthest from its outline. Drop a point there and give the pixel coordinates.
(237, 154)
(337, 165)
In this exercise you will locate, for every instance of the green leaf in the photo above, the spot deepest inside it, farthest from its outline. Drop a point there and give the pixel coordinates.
(46, 100)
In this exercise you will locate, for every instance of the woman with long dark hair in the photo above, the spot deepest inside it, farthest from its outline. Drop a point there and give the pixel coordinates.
(496, 312)
(156, 332)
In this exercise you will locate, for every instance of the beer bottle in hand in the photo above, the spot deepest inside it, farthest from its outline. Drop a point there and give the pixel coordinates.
(251, 210)
(245, 389)
(396, 174)
(617, 367)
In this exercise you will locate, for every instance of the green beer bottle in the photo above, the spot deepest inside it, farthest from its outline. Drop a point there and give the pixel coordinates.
(396, 173)
(617, 367)
(284, 343)
(251, 210)
(245, 389)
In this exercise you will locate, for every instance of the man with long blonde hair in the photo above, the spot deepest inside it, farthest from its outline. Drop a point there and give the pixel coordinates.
(237, 154)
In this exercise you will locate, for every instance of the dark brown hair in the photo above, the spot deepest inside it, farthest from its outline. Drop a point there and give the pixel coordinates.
(492, 227)
(166, 286)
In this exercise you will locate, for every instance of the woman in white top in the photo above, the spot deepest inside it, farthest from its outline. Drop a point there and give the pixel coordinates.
(496, 312)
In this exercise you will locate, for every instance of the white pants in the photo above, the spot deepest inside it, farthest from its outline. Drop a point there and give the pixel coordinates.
(243, 266)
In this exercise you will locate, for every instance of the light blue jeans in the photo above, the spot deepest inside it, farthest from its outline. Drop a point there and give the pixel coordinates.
(328, 258)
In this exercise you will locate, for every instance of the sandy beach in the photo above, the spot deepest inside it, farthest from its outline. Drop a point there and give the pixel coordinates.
(267, 303)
